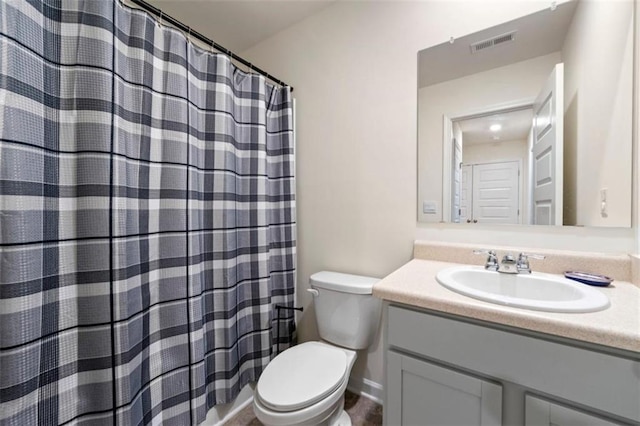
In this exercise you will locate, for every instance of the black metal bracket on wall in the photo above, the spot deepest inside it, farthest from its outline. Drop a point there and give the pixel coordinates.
(280, 308)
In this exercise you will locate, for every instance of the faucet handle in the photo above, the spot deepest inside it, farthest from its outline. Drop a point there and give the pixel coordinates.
(492, 259)
(523, 261)
(525, 256)
(485, 251)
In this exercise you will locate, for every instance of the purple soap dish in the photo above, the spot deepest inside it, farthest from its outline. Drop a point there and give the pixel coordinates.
(589, 279)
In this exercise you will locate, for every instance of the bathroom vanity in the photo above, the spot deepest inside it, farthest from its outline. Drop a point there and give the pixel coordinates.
(451, 359)
(454, 359)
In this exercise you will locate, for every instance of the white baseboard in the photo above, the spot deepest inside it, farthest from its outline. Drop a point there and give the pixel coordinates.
(367, 388)
(220, 414)
(235, 411)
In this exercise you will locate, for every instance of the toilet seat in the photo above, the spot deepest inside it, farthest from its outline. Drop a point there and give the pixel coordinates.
(301, 376)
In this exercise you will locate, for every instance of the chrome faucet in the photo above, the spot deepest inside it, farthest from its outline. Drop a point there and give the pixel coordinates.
(508, 264)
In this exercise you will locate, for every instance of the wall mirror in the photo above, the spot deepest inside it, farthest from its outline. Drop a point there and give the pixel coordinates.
(530, 122)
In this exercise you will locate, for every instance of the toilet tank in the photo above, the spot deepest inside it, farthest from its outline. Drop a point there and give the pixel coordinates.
(347, 314)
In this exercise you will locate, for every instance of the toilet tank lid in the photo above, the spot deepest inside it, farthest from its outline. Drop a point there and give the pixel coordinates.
(346, 283)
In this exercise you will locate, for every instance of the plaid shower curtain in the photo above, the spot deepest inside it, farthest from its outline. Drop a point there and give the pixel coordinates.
(147, 219)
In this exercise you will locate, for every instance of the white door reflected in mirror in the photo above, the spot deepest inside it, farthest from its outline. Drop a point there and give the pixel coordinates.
(547, 151)
(571, 70)
(507, 165)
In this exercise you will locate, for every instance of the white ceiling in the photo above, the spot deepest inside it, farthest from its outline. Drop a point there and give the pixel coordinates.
(515, 127)
(538, 34)
(238, 25)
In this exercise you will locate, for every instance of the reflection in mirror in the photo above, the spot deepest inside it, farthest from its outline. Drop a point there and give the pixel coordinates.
(491, 166)
(530, 122)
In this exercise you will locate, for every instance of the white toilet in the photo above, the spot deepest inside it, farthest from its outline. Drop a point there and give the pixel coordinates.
(305, 384)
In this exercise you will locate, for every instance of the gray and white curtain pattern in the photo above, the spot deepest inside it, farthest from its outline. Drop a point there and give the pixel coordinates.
(147, 219)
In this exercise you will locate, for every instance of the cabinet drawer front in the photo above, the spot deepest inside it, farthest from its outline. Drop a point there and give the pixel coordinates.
(604, 382)
(539, 412)
(422, 393)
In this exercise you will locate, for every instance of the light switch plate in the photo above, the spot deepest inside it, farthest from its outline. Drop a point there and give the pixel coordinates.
(603, 194)
(603, 203)
(429, 207)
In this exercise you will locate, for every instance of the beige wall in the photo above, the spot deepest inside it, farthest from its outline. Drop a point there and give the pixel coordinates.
(521, 81)
(598, 108)
(635, 223)
(354, 69)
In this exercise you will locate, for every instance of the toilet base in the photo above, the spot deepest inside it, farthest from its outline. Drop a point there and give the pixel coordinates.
(343, 420)
(335, 415)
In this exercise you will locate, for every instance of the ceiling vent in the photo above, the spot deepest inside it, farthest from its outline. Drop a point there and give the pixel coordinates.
(492, 42)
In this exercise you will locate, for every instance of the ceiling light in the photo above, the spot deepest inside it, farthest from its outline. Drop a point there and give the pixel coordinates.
(495, 127)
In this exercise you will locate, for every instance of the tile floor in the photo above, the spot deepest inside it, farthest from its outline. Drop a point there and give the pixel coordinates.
(363, 412)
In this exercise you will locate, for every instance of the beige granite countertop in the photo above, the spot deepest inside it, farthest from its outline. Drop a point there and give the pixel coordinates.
(618, 326)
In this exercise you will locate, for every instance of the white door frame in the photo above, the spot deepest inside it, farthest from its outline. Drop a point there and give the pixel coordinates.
(530, 165)
(447, 146)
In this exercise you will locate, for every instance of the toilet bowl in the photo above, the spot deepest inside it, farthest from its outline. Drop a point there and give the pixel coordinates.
(306, 383)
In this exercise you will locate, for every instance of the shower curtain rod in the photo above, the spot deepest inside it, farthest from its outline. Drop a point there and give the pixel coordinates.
(185, 28)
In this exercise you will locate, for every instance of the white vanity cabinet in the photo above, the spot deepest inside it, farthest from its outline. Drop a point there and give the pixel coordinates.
(448, 370)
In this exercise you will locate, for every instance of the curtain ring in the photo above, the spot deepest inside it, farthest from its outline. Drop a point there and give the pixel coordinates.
(159, 22)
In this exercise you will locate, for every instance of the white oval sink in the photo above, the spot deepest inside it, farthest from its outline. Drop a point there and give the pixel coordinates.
(537, 291)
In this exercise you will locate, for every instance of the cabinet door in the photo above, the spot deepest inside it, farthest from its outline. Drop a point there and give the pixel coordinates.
(539, 412)
(424, 394)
